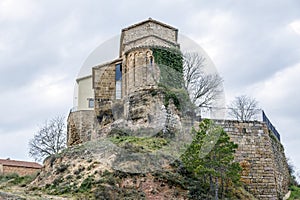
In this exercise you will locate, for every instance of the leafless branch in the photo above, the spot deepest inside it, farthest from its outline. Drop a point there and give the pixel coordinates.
(243, 108)
(203, 88)
(50, 139)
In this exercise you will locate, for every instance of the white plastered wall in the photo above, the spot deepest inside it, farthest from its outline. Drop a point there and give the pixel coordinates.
(85, 92)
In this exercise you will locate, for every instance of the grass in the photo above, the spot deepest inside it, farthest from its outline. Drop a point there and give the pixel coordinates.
(295, 193)
(139, 144)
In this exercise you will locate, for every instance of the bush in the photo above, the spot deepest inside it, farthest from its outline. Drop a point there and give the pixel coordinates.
(61, 168)
(15, 179)
(7, 177)
(295, 193)
(86, 184)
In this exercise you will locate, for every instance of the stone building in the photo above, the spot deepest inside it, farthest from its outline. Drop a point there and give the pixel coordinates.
(21, 168)
(126, 93)
(117, 83)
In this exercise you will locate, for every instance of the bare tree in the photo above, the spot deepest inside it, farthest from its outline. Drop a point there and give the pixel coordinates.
(50, 139)
(243, 108)
(203, 88)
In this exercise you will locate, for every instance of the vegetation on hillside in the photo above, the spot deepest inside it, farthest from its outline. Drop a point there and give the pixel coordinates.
(76, 173)
(295, 192)
(139, 144)
(15, 179)
(294, 185)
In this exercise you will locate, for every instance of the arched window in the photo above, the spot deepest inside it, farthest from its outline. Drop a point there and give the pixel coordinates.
(151, 61)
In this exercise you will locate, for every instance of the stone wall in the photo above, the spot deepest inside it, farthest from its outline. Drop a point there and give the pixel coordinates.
(21, 171)
(80, 126)
(280, 167)
(104, 83)
(147, 42)
(262, 158)
(139, 72)
(167, 35)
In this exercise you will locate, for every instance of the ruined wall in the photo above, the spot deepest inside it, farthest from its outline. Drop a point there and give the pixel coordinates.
(80, 126)
(21, 171)
(262, 158)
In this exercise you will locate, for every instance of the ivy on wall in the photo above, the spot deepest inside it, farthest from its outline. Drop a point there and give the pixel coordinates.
(170, 62)
(180, 97)
(168, 57)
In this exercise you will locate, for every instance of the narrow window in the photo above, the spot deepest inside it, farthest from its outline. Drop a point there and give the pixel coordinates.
(151, 60)
(118, 81)
(91, 103)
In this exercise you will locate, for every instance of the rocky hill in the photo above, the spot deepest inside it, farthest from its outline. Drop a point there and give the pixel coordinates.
(90, 171)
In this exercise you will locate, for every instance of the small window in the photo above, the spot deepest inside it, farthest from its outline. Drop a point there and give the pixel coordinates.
(118, 81)
(91, 103)
(118, 72)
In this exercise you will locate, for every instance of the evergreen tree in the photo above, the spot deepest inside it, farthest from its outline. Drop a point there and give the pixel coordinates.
(210, 157)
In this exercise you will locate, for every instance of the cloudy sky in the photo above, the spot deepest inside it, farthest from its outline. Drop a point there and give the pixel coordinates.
(255, 46)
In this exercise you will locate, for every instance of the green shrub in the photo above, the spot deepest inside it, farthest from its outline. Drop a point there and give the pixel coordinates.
(180, 98)
(61, 168)
(7, 177)
(86, 184)
(295, 193)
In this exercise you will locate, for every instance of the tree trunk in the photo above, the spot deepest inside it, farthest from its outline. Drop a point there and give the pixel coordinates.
(222, 186)
(217, 188)
(211, 186)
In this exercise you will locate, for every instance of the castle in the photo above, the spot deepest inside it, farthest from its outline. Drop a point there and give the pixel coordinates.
(128, 93)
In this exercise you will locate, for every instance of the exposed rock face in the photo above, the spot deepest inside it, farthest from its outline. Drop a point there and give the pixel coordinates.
(145, 112)
(145, 115)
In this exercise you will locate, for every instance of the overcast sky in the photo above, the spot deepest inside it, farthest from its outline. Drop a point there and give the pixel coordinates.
(255, 46)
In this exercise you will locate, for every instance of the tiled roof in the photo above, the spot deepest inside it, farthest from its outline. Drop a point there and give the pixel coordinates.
(16, 163)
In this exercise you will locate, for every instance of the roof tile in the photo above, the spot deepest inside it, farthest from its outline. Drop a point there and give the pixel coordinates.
(16, 163)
